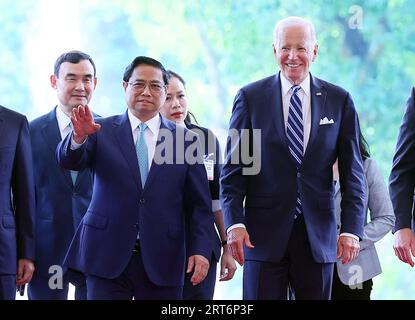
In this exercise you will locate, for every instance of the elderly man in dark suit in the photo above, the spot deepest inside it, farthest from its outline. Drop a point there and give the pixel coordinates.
(288, 225)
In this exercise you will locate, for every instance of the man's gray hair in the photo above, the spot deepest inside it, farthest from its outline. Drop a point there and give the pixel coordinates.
(294, 21)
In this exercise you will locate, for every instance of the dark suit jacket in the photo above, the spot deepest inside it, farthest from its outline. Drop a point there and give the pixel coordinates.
(17, 199)
(60, 205)
(120, 207)
(402, 177)
(270, 196)
(211, 145)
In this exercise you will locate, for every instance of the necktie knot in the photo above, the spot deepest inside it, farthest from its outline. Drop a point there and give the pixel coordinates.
(295, 89)
(142, 127)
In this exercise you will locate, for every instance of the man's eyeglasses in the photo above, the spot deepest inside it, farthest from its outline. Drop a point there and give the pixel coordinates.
(139, 86)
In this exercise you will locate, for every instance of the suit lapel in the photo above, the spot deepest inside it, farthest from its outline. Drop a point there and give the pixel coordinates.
(122, 131)
(277, 114)
(318, 99)
(52, 136)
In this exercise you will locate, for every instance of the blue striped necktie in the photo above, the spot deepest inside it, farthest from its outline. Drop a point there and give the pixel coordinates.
(142, 153)
(295, 135)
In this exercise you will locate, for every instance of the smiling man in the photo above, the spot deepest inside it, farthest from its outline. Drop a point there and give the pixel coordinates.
(286, 233)
(62, 196)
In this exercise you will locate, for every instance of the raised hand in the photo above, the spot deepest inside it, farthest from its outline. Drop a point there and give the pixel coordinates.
(83, 123)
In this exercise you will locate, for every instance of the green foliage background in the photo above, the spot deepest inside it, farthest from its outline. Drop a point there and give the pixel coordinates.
(220, 45)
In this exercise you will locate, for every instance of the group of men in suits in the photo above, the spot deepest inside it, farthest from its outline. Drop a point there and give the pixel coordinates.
(127, 234)
(113, 217)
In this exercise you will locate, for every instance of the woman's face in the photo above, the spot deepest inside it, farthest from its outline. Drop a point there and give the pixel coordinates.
(175, 107)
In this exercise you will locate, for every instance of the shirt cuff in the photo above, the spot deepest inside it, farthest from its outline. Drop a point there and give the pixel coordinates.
(75, 145)
(351, 235)
(238, 225)
(216, 205)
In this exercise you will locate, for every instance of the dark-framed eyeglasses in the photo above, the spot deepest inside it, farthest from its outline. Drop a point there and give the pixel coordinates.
(139, 86)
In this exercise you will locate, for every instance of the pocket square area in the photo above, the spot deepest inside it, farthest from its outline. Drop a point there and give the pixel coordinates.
(326, 121)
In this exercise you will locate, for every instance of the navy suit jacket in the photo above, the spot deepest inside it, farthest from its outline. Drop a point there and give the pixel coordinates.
(402, 177)
(120, 207)
(270, 196)
(60, 205)
(17, 199)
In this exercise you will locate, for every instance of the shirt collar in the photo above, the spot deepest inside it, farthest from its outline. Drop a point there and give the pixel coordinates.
(153, 124)
(286, 85)
(62, 118)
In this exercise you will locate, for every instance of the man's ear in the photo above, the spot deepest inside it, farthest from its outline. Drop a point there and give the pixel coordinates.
(315, 51)
(53, 80)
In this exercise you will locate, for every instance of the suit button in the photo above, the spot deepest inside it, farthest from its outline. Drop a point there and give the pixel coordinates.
(298, 175)
(135, 225)
(142, 201)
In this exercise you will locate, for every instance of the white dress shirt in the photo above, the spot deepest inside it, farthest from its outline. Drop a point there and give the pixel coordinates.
(305, 97)
(63, 122)
(150, 135)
